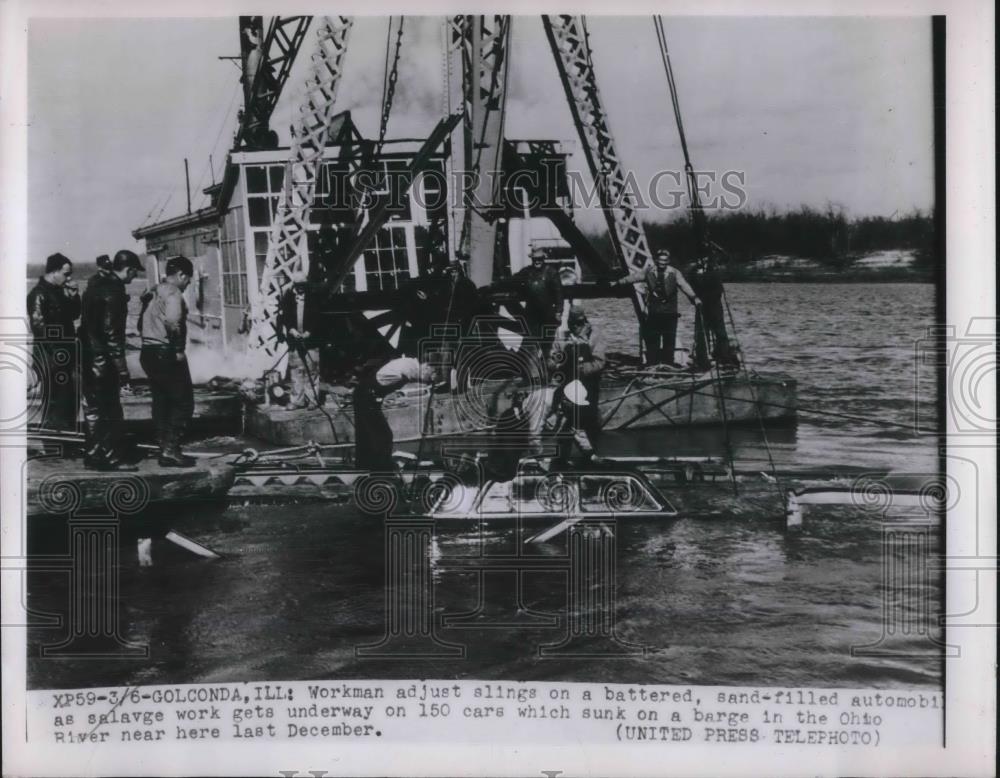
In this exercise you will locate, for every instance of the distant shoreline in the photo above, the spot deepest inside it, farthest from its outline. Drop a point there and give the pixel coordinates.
(886, 276)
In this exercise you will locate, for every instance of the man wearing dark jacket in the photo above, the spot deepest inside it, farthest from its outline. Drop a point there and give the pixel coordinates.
(164, 339)
(53, 307)
(710, 336)
(105, 373)
(543, 298)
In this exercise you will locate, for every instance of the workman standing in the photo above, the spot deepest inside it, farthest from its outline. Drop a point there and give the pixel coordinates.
(299, 324)
(460, 298)
(459, 303)
(578, 355)
(659, 328)
(543, 298)
(53, 308)
(710, 326)
(104, 311)
(372, 435)
(163, 358)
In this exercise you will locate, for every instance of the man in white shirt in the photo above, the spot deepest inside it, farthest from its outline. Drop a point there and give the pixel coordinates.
(372, 435)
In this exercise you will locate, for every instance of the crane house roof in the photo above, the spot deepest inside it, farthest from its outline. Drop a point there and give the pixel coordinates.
(346, 145)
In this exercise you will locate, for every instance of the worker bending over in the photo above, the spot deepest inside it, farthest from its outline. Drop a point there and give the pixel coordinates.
(372, 435)
(659, 328)
(164, 359)
(554, 415)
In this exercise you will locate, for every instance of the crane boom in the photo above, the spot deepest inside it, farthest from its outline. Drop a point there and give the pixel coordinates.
(480, 43)
(286, 249)
(266, 69)
(568, 38)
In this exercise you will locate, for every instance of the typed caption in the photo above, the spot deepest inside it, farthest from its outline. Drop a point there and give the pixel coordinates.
(478, 711)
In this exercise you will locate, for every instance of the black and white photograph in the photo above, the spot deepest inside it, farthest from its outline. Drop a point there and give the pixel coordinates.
(556, 380)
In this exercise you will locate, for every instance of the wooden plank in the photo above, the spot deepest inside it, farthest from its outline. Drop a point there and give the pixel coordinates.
(209, 406)
(59, 486)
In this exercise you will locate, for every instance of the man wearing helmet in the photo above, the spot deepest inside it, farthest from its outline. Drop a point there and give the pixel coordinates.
(105, 373)
(543, 297)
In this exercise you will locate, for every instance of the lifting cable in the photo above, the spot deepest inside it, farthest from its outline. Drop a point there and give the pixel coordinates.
(675, 102)
(661, 40)
(389, 80)
(428, 414)
(753, 397)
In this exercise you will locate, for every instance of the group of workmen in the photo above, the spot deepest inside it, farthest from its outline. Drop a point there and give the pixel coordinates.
(565, 395)
(93, 356)
(565, 391)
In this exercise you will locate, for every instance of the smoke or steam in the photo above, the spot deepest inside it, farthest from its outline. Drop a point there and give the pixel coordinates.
(206, 364)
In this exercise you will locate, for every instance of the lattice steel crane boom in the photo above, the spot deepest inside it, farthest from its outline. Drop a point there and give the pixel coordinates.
(568, 38)
(286, 249)
(267, 60)
(477, 47)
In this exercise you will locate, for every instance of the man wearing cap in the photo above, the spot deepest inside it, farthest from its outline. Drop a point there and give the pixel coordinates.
(163, 358)
(298, 323)
(53, 307)
(659, 328)
(104, 312)
(543, 298)
(578, 354)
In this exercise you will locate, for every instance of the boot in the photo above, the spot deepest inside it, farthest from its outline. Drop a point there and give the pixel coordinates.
(113, 463)
(92, 451)
(175, 459)
(171, 454)
(100, 457)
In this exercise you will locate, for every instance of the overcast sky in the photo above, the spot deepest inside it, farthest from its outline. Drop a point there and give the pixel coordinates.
(814, 110)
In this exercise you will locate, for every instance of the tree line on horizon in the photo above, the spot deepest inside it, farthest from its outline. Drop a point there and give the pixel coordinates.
(828, 236)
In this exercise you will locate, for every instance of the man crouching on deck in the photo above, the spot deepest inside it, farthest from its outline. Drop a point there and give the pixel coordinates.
(554, 413)
(372, 434)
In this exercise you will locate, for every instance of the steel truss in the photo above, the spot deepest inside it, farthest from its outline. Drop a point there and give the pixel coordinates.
(287, 250)
(477, 46)
(568, 38)
(281, 45)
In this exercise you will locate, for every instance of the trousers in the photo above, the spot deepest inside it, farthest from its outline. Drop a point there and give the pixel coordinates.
(372, 434)
(172, 392)
(58, 387)
(710, 337)
(102, 405)
(659, 333)
(303, 366)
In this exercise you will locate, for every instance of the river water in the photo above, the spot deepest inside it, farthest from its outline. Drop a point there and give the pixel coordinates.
(736, 600)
